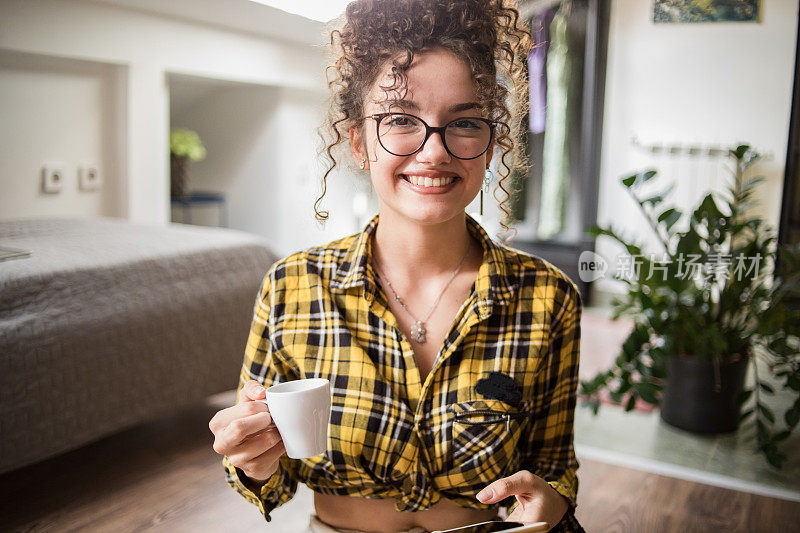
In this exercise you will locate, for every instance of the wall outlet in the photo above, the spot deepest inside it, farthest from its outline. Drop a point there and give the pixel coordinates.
(52, 178)
(89, 177)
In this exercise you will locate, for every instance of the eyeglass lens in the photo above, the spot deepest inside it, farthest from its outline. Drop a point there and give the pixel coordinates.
(402, 135)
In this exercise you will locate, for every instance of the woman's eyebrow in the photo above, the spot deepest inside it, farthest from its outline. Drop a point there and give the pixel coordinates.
(412, 106)
(463, 107)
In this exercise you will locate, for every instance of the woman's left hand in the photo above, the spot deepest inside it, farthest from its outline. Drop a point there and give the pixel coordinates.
(538, 501)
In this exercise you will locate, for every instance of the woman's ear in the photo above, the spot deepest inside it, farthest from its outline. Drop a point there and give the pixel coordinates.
(357, 147)
(489, 152)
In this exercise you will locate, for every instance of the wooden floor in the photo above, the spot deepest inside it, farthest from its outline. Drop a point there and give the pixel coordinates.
(165, 476)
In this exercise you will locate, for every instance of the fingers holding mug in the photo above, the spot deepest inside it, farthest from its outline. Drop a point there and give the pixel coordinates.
(241, 429)
(251, 391)
(261, 467)
(245, 407)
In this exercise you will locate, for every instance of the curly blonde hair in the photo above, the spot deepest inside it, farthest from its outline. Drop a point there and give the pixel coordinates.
(487, 34)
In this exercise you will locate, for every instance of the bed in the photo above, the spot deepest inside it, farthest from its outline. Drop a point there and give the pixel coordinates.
(105, 324)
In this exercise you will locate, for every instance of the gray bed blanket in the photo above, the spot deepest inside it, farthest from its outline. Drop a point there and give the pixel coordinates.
(108, 323)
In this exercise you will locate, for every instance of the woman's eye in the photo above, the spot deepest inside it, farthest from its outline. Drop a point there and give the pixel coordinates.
(466, 124)
(399, 121)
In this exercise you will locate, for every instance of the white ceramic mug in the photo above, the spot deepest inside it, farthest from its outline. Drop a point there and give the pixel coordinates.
(301, 410)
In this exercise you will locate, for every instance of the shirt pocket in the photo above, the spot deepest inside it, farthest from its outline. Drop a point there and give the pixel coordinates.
(484, 439)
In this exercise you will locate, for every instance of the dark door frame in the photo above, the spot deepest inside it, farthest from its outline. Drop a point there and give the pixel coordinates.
(789, 215)
(564, 255)
(789, 228)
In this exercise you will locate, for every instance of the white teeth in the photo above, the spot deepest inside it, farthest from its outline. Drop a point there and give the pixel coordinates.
(429, 182)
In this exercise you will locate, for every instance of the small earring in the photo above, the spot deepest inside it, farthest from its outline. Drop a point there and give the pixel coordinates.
(363, 164)
(487, 180)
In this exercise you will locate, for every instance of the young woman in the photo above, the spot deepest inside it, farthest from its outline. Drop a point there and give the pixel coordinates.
(453, 359)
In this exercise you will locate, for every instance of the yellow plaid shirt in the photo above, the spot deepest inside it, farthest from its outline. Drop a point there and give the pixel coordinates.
(500, 397)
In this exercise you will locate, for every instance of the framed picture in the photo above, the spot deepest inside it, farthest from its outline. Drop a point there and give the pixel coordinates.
(671, 11)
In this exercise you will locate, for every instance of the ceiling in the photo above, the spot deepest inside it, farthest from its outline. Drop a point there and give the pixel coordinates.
(238, 15)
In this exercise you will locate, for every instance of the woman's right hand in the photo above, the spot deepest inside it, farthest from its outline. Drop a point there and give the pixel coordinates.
(246, 435)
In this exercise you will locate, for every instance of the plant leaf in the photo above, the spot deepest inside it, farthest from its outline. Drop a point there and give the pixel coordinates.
(629, 181)
(669, 217)
(764, 410)
(745, 414)
(636, 179)
(631, 403)
(707, 210)
(647, 391)
(783, 435)
(792, 417)
(775, 458)
(740, 151)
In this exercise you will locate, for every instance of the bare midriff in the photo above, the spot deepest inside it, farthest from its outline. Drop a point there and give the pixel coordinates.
(380, 516)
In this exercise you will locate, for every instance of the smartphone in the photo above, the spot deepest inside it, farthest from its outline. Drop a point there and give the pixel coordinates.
(497, 525)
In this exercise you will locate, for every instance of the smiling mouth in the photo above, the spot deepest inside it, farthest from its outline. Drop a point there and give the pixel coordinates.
(420, 181)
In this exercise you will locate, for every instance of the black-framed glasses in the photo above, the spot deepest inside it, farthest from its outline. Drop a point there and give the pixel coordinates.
(402, 134)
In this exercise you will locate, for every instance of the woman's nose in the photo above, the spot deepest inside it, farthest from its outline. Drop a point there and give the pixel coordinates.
(433, 151)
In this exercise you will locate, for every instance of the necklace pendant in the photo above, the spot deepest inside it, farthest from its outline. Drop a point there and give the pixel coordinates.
(418, 332)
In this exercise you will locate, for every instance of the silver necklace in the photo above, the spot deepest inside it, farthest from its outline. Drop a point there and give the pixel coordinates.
(418, 329)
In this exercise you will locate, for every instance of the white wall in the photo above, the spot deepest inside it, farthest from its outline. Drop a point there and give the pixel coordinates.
(688, 84)
(145, 47)
(56, 111)
(261, 144)
(299, 177)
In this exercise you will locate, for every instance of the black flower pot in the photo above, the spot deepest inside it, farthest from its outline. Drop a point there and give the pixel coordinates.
(178, 170)
(693, 400)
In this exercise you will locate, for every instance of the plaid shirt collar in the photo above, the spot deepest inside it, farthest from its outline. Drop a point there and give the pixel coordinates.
(494, 284)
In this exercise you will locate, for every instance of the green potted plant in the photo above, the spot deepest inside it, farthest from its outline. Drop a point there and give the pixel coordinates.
(184, 146)
(696, 333)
